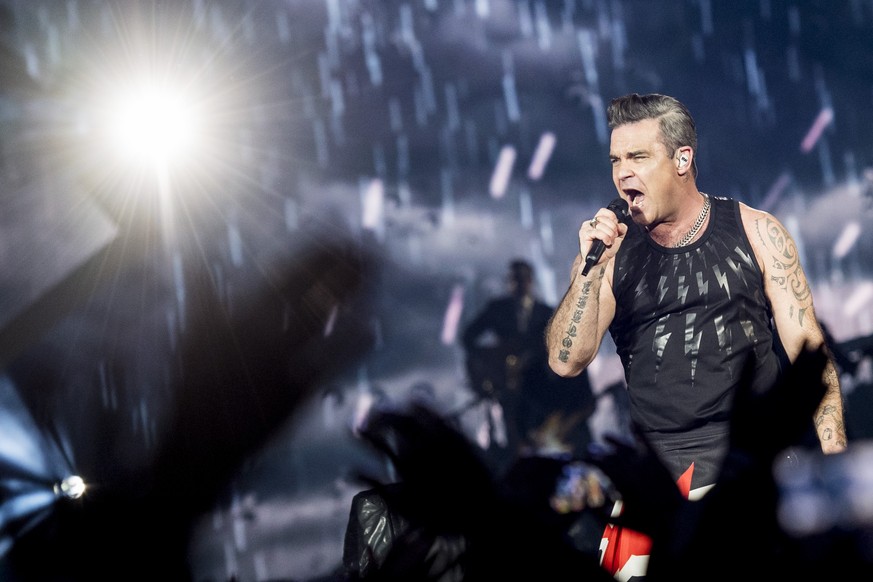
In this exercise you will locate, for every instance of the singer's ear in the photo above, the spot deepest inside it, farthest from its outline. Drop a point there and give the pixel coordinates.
(683, 158)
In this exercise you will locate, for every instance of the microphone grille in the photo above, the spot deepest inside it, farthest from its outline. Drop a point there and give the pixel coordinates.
(620, 208)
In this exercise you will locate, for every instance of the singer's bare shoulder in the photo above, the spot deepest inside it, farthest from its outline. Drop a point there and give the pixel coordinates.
(765, 232)
(749, 214)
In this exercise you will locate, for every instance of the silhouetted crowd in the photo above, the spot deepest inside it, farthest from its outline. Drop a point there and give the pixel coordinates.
(773, 514)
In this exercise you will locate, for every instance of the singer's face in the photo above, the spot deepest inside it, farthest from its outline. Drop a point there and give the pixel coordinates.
(642, 170)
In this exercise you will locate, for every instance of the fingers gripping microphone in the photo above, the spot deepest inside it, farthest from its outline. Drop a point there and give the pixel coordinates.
(620, 208)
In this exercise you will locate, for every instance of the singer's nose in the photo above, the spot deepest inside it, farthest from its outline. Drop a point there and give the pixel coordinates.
(621, 170)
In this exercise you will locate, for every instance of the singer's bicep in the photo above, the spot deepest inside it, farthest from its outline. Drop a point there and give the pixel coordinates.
(785, 282)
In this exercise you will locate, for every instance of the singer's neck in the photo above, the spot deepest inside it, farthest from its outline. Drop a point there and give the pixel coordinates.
(682, 219)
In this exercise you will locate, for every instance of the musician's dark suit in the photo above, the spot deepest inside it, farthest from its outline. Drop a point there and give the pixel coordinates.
(507, 361)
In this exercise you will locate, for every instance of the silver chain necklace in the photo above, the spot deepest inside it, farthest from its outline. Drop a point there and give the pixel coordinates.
(701, 218)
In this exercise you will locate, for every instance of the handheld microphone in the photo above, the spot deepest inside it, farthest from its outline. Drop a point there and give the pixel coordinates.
(620, 208)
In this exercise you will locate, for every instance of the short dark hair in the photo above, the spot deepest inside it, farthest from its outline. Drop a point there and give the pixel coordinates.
(520, 270)
(675, 121)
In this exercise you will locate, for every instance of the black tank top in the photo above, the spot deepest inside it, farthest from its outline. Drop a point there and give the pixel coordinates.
(687, 320)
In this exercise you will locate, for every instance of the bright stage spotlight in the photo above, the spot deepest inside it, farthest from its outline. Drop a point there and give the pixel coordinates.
(154, 124)
(154, 129)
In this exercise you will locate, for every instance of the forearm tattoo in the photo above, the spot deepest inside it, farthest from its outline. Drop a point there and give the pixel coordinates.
(831, 412)
(567, 342)
(831, 377)
(786, 270)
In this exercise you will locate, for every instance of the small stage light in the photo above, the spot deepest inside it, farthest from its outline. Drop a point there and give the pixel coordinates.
(72, 487)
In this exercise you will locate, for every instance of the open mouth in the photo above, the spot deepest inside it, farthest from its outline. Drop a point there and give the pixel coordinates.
(634, 197)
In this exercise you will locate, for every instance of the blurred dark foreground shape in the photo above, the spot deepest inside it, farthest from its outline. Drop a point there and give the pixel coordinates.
(239, 376)
(451, 517)
(746, 526)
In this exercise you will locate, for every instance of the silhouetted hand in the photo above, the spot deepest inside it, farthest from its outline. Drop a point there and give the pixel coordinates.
(238, 377)
(446, 483)
(650, 496)
(445, 488)
(765, 423)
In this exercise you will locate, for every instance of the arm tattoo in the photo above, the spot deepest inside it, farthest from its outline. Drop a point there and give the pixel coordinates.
(786, 271)
(567, 342)
(828, 420)
(831, 377)
(830, 433)
(826, 411)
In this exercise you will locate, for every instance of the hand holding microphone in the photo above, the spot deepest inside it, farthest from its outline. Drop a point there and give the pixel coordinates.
(620, 208)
